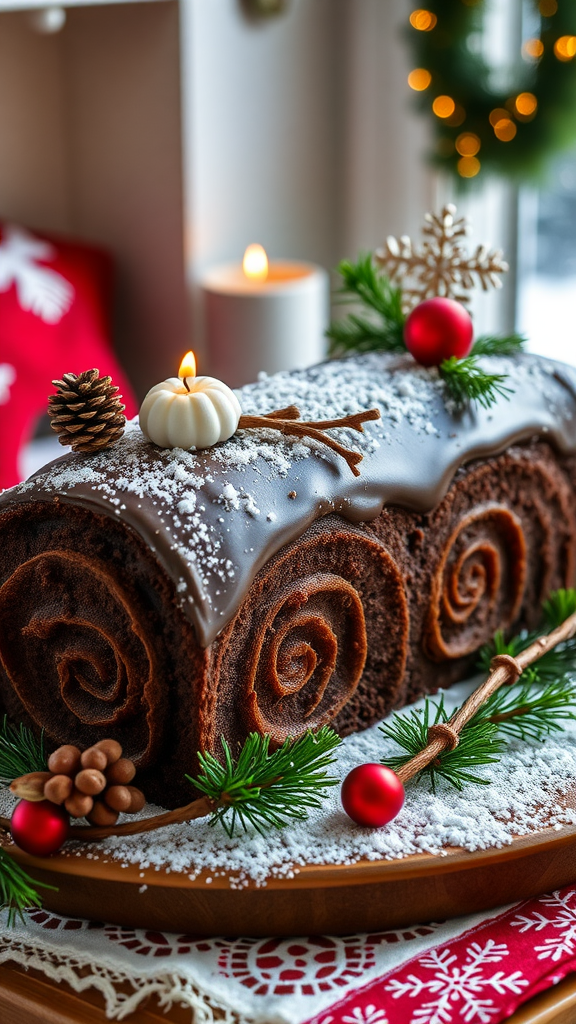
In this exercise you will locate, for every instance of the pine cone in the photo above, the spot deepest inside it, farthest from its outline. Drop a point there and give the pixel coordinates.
(86, 412)
(93, 784)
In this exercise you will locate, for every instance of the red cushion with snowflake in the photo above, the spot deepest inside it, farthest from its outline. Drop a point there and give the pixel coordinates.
(55, 298)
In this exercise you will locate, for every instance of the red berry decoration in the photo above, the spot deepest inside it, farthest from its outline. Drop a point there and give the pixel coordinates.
(39, 827)
(372, 795)
(437, 329)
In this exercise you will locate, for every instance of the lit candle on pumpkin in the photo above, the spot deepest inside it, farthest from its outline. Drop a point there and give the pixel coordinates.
(189, 411)
(265, 315)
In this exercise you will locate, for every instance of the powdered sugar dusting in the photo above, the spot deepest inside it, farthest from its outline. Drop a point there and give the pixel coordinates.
(526, 793)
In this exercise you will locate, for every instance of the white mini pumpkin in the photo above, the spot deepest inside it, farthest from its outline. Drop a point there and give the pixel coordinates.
(173, 417)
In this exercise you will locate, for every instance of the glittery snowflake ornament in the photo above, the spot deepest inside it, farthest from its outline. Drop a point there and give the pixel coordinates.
(441, 264)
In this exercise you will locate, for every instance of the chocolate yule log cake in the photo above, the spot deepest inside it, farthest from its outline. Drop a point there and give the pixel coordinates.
(166, 598)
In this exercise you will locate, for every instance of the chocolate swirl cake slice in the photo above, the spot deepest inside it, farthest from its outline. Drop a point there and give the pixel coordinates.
(166, 598)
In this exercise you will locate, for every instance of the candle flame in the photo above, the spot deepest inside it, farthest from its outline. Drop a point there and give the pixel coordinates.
(255, 263)
(188, 366)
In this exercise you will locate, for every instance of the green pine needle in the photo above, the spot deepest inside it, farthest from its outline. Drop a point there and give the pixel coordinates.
(383, 331)
(478, 745)
(555, 664)
(559, 606)
(20, 752)
(17, 890)
(466, 381)
(527, 712)
(266, 789)
(499, 345)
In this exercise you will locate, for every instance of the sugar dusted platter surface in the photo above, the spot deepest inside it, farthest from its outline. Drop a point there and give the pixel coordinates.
(525, 793)
(446, 855)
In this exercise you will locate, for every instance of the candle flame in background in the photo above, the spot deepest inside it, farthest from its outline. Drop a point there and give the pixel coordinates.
(188, 366)
(255, 263)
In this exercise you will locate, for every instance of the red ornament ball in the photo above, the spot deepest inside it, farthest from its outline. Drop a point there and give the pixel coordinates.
(372, 795)
(39, 827)
(437, 329)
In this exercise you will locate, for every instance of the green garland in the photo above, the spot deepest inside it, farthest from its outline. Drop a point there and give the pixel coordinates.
(444, 41)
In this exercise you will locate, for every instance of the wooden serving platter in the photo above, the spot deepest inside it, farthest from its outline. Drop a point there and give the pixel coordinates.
(329, 899)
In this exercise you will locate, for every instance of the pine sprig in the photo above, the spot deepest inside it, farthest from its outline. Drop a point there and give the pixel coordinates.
(555, 664)
(20, 752)
(466, 381)
(498, 345)
(558, 606)
(527, 712)
(267, 789)
(383, 330)
(18, 891)
(478, 745)
(532, 709)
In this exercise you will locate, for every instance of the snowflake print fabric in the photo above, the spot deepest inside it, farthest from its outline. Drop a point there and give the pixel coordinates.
(55, 299)
(479, 978)
(40, 290)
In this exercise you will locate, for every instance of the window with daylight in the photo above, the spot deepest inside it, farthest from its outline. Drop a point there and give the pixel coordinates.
(547, 263)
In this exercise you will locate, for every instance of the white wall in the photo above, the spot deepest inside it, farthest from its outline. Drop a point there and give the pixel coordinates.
(90, 145)
(33, 166)
(298, 132)
(121, 69)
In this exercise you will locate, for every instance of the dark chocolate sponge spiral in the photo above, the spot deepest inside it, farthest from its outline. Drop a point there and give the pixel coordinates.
(165, 598)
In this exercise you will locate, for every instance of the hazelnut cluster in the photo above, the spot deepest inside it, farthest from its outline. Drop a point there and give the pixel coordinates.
(92, 784)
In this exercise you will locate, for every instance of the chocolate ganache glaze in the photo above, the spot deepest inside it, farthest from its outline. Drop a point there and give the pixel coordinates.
(213, 518)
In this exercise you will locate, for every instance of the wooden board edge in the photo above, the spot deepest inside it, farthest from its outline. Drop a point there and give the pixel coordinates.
(308, 876)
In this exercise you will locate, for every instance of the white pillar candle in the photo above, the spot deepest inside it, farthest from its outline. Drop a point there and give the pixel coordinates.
(264, 317)
(189, 411)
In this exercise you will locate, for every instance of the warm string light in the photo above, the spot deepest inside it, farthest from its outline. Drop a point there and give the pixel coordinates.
(443, 106)
(468, 144)
(419, 79)
(525, 105)
(506, 121)
(468, 166)
(565, 48)
(505, 129)
(422, 20)
(532, 49)
(548, 8)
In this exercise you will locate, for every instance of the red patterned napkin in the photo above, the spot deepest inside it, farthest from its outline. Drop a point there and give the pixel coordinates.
(480, 977)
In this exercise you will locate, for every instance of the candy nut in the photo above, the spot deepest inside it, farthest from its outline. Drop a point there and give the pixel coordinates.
(111, 748)
(102, 815)
(137, 800)
(118, 798)
(58, 789)
(65, 760)
(90, 781)
(79, 805)
(121, 773)
(94, 758)
(31, 786)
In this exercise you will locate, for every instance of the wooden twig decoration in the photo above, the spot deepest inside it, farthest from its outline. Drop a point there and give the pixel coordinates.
(288, 421)
(505, 669)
